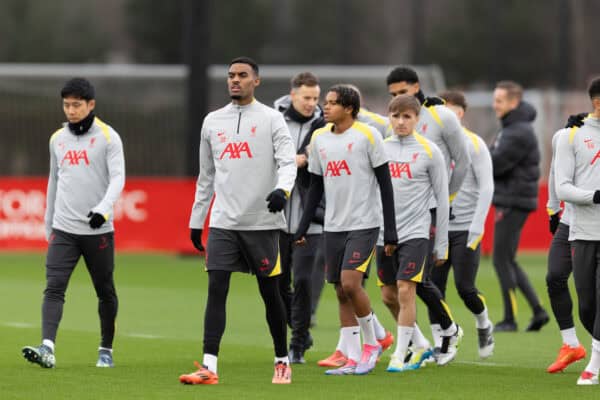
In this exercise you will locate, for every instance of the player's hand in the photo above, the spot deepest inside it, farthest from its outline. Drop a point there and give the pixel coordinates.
(196, 238)
(301, 160)
(433, 101)
(438, 262)
(473, 240)
(451, 216)
(389, 249)
(554, 221)
(300, 241)
(576, 120)
(276, 200)
(96, 220)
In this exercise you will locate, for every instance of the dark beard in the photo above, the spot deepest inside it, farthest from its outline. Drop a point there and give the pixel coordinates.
(235, 97)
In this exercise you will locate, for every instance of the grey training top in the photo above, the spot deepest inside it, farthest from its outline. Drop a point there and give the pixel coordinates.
(472, 203)
(246, 152)
(87, 173)
(419, 175)
(553, 204)
(346, 161)
(440, 125)
(577, 175)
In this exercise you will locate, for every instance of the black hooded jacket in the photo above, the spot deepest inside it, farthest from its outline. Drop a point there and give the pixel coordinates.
(516, 160)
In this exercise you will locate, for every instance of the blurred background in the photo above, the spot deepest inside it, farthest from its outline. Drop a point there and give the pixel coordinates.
(159, 67)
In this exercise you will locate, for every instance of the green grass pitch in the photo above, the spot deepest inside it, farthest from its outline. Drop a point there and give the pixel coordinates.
(159, 334)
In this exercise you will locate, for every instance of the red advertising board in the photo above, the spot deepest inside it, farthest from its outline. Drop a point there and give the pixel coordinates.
(153, 214)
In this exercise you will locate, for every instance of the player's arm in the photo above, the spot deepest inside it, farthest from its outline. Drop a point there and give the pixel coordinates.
(205, 182)
(285, 155)
(315, 193)
(51, 191)
(379, 162)
(553, 204)
(564, 173)
(439, 182)
(482, 167)
(386, 191)
(459, 153)
(115, 161)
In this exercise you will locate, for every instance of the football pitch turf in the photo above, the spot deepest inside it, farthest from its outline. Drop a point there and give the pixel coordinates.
(159, 335)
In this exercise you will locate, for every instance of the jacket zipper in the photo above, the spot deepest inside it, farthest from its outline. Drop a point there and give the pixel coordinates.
(238, 124)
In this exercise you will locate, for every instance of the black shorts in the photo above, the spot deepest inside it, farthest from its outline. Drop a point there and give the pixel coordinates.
(350, 250)
(254, 252)
(406, 264)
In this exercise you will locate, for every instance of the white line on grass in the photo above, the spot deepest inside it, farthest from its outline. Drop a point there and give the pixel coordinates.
(19, 324)
(483, 363)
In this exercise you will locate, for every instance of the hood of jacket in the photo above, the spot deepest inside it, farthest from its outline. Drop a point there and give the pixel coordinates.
(523, 113)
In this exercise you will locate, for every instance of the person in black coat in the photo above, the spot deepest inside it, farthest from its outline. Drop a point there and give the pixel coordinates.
(515, 157)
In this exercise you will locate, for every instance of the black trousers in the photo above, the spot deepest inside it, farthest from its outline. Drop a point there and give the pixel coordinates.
(559, 269)
(507, 233)
(586, 272)
(465, 264)
(298, 264)
(64, 251)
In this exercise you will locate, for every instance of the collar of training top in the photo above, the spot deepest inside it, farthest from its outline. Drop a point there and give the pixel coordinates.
(81, 127)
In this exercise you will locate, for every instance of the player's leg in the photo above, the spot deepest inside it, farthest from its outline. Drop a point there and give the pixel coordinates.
(303, 261)
(586, 258)
(286, 250)
(540, 316)
(410, 260)
(318, 281)
(61, 259)
(99, 255)
(223, 257)
(465, 263)
(559, 270)
(359, 250)
(502, 260)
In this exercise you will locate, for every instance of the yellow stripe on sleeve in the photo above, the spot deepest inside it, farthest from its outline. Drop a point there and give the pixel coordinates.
(53, 136)
(104, 128)
(435, 115)
(423, 142)
(365, 130)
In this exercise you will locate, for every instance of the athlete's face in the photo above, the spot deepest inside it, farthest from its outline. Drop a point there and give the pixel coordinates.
(398, 88)
(403, 122)
(458, 110)
(76, 109)
(503, 103)
(332, 109)
(241, 82)
(305, 99)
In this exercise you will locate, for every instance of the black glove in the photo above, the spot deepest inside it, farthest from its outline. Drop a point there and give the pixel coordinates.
(451, 216)
(276, 199)
(576, 120)
(554, 220)
(96, 220)
(597, 197)
(433, 101)
(196, 238)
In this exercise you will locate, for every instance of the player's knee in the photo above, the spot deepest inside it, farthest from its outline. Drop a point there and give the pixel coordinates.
(465, 290)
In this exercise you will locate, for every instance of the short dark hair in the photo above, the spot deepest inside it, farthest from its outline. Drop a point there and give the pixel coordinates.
(304, 79)
(513, 89)
(594, 89)
(403, 103)
(79, 88)
(455, 97)
(347, 97)
(402, 74)
(245, 60)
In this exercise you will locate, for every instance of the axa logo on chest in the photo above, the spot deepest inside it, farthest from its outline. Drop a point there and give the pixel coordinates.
(335, 168)
(73, 157)
(234, 150)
